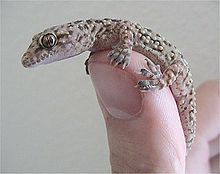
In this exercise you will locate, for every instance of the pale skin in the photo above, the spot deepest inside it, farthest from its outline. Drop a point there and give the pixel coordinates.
(152, 139)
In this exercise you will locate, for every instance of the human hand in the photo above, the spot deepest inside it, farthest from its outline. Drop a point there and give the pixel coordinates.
(204, 156)
(144, 129)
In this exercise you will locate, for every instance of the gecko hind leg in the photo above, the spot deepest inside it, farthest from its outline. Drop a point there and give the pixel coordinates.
(160, 80)
(145, 85)
(153, 73)
(153, 70)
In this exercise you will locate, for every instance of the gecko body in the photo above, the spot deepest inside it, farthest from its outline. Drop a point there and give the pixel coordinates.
(166, 65)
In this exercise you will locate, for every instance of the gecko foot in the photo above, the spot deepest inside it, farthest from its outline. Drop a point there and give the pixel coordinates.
(153, 71)
(154, 75)
(120, 55)
(86, 63)
(152, 84)
(145, 85)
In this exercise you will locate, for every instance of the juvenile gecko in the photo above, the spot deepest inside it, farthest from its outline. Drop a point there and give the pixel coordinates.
(166, 65)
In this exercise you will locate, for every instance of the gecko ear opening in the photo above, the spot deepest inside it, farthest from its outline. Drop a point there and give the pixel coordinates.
(48, 40)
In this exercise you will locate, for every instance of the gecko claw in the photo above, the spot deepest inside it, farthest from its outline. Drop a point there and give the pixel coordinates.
(124, 65)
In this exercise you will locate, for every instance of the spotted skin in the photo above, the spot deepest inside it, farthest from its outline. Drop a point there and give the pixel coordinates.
(166, 65)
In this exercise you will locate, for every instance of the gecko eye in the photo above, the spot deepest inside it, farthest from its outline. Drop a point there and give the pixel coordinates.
(48, 40)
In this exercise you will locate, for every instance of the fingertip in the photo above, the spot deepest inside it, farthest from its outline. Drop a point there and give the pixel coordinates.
(115, 87)
(149, 121)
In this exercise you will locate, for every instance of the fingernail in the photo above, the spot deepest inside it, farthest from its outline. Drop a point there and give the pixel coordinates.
(115, 87)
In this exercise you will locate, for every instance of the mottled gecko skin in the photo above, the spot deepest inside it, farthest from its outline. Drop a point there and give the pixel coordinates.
(166, 65)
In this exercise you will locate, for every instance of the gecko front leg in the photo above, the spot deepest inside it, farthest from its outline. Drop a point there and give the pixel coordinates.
(121, 53)
(86, 63)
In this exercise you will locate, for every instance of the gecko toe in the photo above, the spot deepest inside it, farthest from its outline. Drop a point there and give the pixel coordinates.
(145, 85)
(119, 56)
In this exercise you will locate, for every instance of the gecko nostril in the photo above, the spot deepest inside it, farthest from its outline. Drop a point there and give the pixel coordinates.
(25, 61)
(25, 64)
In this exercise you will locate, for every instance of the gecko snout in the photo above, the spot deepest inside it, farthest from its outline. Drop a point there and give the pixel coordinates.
(26, 60)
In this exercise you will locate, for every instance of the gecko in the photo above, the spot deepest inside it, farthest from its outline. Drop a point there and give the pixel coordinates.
(166, 66)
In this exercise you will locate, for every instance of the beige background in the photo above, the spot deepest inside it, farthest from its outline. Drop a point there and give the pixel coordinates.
(50, 119)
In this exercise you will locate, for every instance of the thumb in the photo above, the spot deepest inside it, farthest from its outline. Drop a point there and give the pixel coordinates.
(144, 129)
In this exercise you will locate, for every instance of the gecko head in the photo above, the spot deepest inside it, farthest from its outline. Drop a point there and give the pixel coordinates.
(53, 44)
